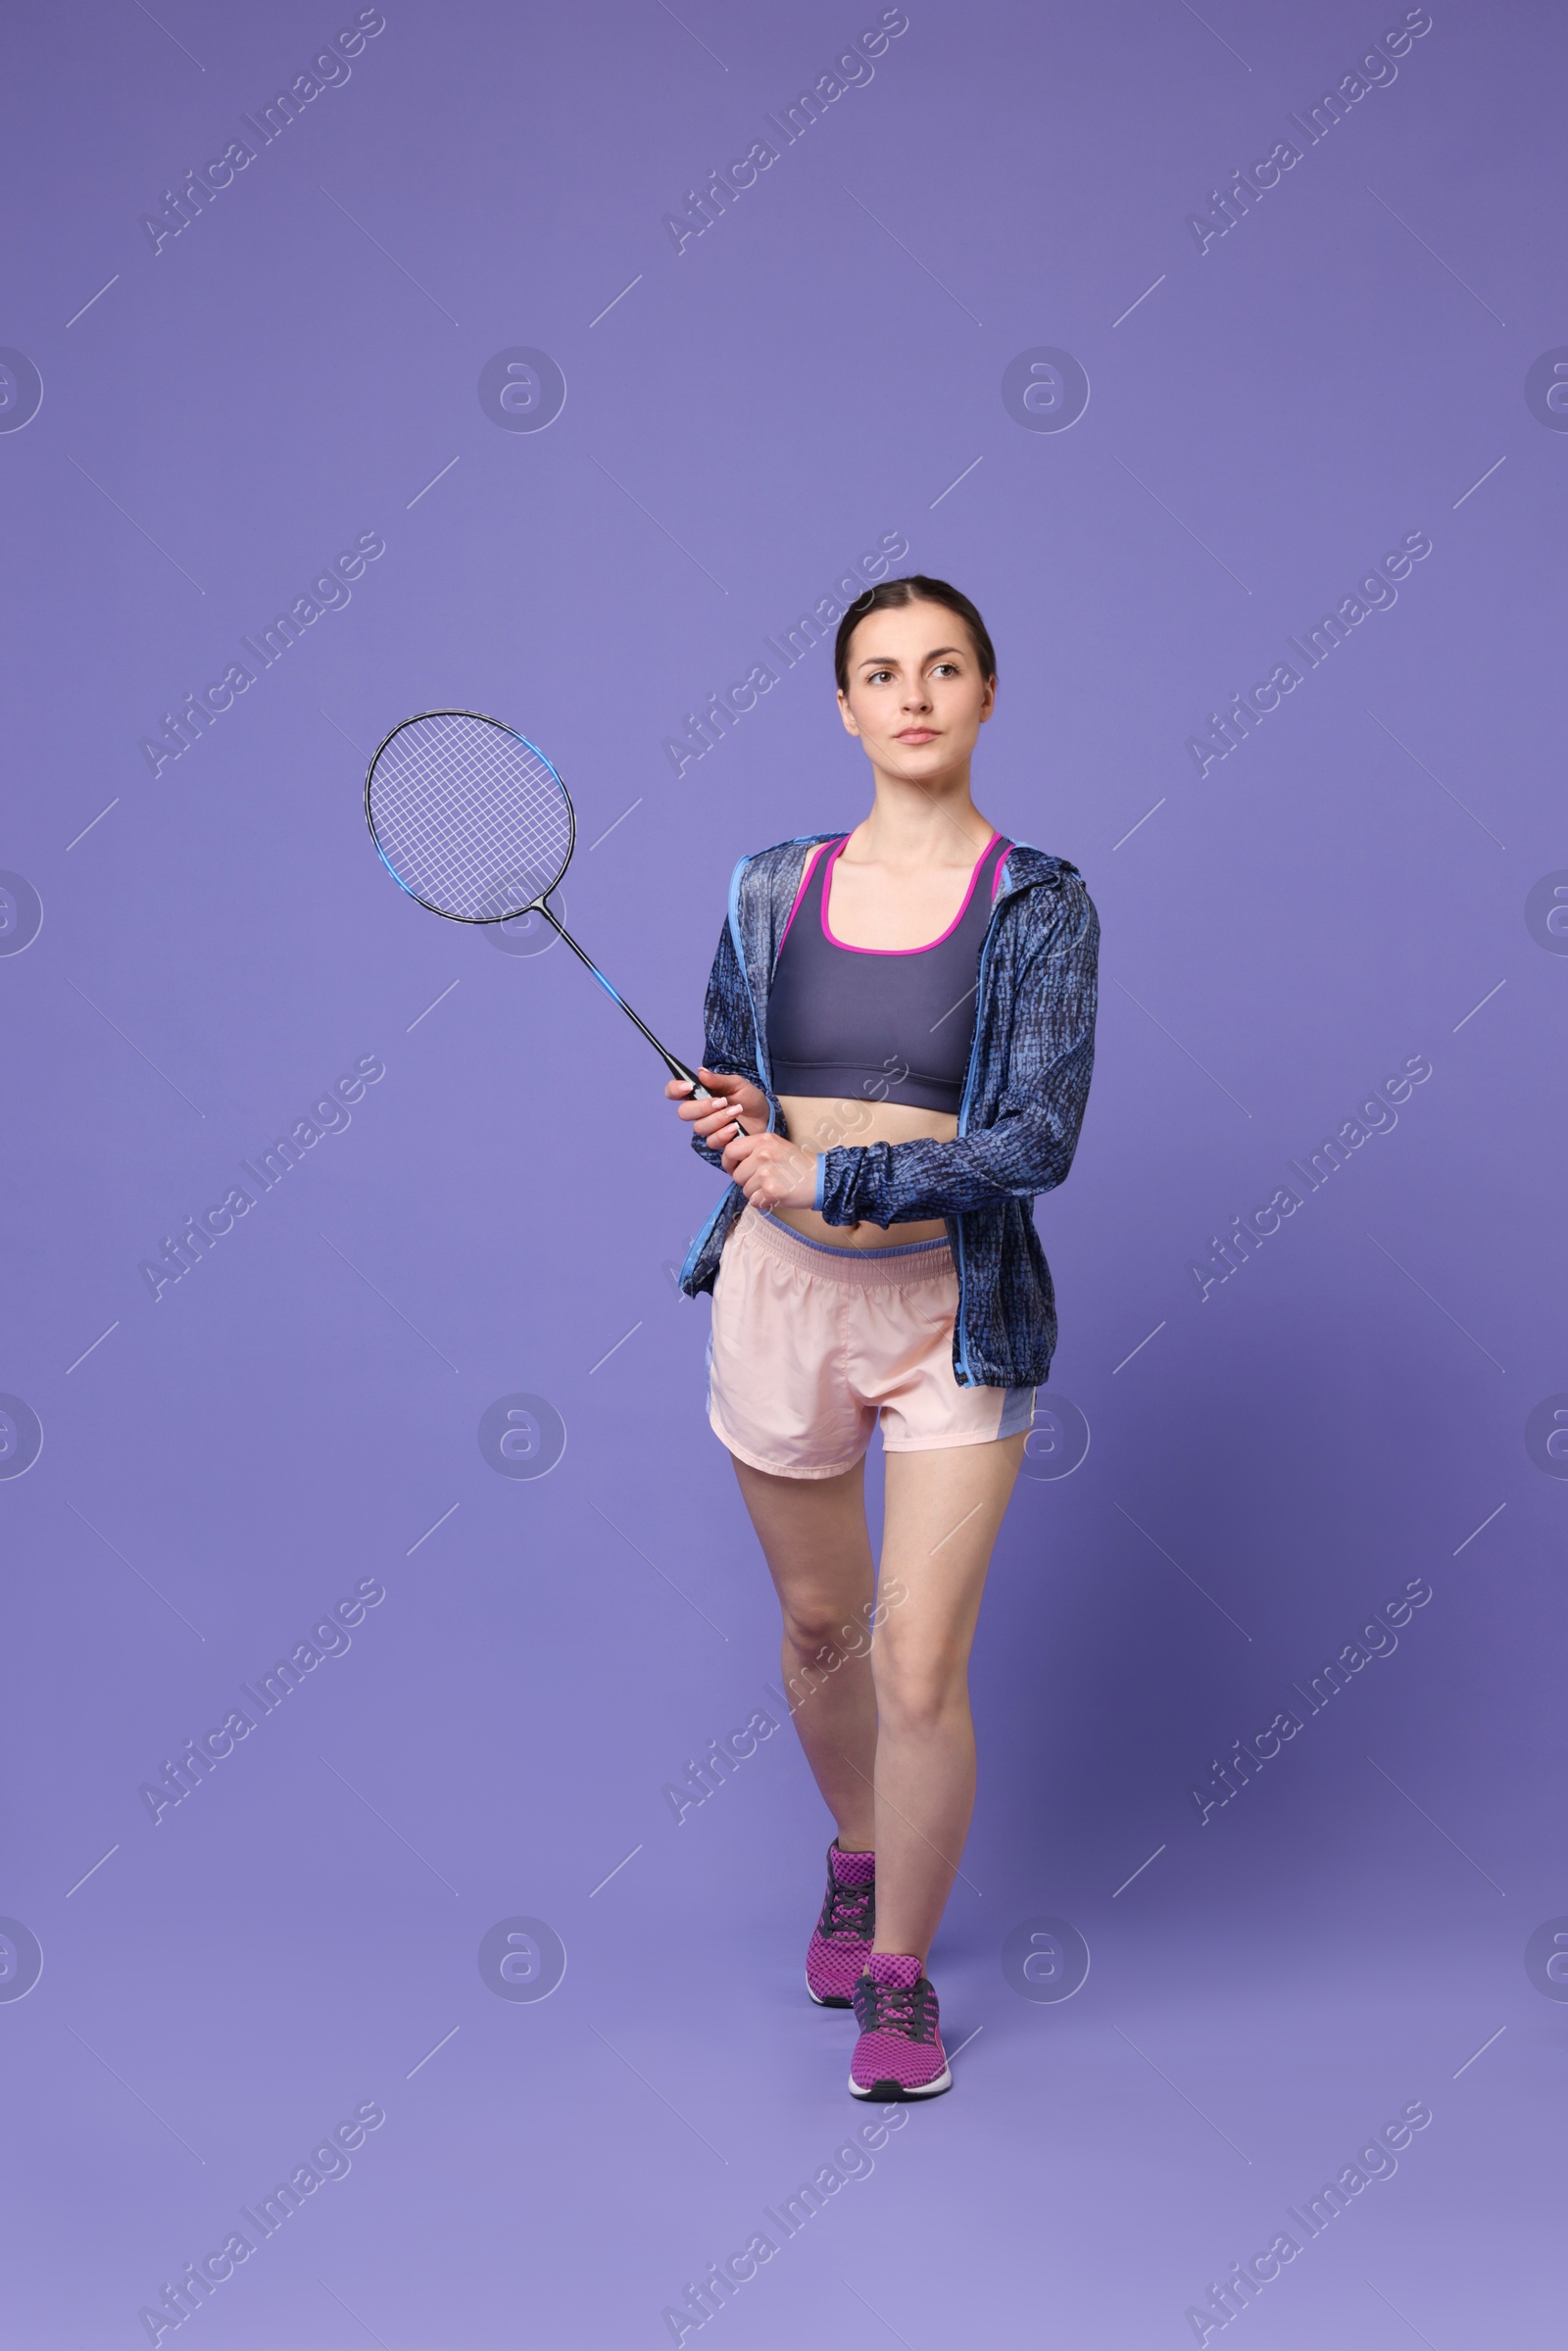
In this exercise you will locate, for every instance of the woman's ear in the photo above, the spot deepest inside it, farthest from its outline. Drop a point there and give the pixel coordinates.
(845, 713)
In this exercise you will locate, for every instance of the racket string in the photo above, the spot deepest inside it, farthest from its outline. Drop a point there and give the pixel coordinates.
(467, 816)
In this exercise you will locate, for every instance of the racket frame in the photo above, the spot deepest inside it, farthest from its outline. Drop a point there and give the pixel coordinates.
(530, 906)
(534, 906)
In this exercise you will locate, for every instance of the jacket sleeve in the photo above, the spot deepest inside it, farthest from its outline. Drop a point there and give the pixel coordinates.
(729, 1043)
(1029, 1146)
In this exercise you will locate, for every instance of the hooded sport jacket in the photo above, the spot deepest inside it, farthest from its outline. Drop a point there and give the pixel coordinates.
(1030, 1062)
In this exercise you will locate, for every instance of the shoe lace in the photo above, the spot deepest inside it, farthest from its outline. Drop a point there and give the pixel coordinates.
(848, 1910)
(909, 2010)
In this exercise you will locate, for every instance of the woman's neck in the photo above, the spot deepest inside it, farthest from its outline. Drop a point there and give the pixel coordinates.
(910, 824)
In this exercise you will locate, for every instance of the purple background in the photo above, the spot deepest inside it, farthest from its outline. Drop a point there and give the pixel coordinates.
(1342, 892)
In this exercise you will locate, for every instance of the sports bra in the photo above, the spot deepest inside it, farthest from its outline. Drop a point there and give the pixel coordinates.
(877, 1023)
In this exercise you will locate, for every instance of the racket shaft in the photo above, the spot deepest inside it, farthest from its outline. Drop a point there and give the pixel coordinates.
(676, 1068)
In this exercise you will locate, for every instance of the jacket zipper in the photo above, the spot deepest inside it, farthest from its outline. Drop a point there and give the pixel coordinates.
(800, 840)
(741, 957)
(963, 1120)
(757, 1036)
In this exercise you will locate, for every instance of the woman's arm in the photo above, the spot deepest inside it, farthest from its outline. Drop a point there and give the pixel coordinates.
(1029, 1146)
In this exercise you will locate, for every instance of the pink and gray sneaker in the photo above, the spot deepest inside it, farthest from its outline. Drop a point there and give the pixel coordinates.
(898, 2054)
(840, 1944)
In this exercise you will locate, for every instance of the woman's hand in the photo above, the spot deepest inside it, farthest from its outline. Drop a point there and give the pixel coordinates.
(772, 1172)
(736, 1102)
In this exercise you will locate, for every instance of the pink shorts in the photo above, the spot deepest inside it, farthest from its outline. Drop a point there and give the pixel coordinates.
(812, 1346)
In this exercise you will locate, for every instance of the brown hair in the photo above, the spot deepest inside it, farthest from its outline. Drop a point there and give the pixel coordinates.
(914, 588)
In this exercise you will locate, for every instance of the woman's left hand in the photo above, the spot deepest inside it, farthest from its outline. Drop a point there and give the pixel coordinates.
(772, 1172)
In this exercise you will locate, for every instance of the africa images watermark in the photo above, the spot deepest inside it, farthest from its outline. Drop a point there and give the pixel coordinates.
(724, 2279)
(1377, 2160)
(330, 592)
(1375, 71)
(851, 70)
(1376, 1638)
(183, 1252)
(181, 207)
(721, 1757)
(707, 727)
(200, 2280)
(198, 1758)
(1374, 1117)
(1245, 713)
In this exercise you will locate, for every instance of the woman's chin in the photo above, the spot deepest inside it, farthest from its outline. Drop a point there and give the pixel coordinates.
(922, 763)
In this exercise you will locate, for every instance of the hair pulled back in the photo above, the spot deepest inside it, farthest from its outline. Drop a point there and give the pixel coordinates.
(914, 588)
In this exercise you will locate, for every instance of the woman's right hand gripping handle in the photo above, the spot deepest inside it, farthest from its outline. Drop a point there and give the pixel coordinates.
(736, 1107)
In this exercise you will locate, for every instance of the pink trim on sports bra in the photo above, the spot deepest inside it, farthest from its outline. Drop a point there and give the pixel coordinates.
(827, 891)
(810, 864)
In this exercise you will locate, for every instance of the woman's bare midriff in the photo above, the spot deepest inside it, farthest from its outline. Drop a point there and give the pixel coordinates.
(817, 1123)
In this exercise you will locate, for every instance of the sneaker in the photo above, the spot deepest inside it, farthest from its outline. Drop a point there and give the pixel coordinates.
(840, 1944)
(898, 2054)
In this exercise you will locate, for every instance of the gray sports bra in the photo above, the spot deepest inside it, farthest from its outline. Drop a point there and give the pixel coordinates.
(877, 1023)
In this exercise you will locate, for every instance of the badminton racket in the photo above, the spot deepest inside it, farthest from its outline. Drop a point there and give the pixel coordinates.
(472, 819)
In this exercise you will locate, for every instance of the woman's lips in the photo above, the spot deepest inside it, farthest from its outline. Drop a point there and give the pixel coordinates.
(916, 734)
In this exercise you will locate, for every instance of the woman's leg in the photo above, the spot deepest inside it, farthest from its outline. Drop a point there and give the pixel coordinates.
(814, 1537)
(943, 1511)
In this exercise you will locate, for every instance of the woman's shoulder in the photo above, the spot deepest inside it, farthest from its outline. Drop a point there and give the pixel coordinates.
(763, 868)
(1026, 863)
(1046, 893)
(1024, 868)
(785, 853)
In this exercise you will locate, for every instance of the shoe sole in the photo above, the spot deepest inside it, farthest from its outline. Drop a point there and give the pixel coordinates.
(828, 1999)
(894, 2093)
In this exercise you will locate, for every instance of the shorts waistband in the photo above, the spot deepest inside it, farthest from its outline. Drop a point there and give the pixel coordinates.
(907, 1262)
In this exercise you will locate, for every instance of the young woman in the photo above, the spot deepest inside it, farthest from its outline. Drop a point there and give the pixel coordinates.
(899, 1029)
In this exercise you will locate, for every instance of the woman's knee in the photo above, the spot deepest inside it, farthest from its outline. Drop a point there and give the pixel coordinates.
(916, 1688)
(823, 1634)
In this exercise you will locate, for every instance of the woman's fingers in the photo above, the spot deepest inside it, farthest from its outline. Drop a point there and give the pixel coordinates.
(771, 1170)
(765, 1160)
(704, 1115)
(741, 1094)
(714, 1121)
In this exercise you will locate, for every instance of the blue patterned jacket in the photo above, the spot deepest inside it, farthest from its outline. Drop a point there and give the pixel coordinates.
(1023, 1100)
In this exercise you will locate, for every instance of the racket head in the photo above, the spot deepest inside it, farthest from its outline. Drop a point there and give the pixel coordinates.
(468, 815)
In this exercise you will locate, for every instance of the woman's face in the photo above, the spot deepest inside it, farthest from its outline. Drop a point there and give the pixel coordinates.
(915, 698)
